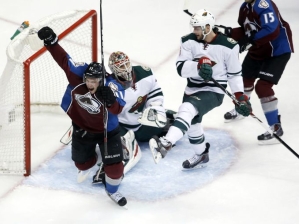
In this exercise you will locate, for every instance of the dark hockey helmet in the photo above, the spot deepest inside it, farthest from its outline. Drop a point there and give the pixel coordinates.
(94, 71)
(120, 66)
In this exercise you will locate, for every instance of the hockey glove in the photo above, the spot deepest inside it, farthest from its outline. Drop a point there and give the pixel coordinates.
(225, 30)
(105, 94)
(244, 108)
(48, 36)
(205, 68)
(246, 42)
(153, 116)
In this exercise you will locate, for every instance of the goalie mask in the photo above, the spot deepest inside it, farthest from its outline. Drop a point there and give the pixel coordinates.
(120, 66)
(93, 71)
(202, 18)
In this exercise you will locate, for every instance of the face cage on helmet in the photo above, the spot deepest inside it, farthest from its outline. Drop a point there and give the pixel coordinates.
(120, 65)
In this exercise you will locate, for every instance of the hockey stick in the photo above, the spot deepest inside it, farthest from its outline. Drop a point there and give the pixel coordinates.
(67, 137)
(186, 6)
(255, 118)
(105, 119)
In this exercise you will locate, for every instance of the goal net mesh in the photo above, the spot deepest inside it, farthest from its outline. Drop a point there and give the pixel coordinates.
(45, 81)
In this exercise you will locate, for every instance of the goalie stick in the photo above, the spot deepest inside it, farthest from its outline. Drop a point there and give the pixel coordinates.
(256, 118)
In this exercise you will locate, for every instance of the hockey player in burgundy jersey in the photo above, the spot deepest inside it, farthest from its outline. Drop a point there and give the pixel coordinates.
(270, 37)
(83, 101)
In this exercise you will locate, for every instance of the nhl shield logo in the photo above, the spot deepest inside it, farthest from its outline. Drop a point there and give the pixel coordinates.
(263, 4)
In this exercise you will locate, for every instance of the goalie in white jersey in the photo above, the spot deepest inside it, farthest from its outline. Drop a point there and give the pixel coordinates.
(143, 116)
(203, 55)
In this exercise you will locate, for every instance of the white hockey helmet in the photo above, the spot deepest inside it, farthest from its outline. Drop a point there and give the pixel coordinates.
(202, 18)
(120, 65)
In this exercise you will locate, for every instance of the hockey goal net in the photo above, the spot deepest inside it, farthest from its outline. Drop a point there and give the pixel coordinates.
(33, 82)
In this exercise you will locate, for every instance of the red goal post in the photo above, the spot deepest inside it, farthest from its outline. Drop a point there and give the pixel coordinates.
(32, 82)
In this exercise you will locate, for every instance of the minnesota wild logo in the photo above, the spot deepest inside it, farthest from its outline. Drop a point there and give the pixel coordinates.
(138, 106)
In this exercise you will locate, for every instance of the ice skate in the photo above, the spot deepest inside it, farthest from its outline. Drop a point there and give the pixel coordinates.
(159, 147)
(268, 138)
(99, 176)
(118, 198)
(232, 115)
(197, 161)
(82, 175)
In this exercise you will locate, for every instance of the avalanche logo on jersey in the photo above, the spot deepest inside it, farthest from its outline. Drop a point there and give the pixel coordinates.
(249, 26)
(263, 4)
(88, 103)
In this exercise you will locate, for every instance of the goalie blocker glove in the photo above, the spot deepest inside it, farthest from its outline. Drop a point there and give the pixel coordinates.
(48, 36)
(154, 116)
(244, 107)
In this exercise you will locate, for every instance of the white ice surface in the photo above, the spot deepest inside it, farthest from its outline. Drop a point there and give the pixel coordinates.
(244, 182)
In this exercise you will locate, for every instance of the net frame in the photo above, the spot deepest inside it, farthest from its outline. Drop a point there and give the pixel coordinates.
(18, 113)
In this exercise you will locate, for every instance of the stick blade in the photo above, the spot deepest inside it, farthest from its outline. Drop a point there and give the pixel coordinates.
(67, 137)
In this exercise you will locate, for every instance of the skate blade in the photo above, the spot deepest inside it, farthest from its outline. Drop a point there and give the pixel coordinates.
(82, 175)
(271, 141)
(235, 119)
(97, 182)
(156, 155)
(199, 166)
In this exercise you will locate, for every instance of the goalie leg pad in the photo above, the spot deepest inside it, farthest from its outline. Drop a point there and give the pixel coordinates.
(131, 149)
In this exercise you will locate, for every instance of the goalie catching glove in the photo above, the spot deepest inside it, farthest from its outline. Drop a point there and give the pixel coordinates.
(154, 116)
(244, 107)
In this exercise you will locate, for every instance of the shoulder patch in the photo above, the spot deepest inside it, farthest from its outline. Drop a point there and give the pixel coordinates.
(113, 86)
(76, 64)
(231, 40)
(263, 4)
(224, 41)
(145, 68)
(190, 36)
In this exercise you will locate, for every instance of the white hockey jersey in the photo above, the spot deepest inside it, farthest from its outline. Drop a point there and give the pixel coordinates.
(224, 54)
(144, 91)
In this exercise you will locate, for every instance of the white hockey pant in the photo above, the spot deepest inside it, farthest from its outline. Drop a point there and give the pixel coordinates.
(182, 122)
